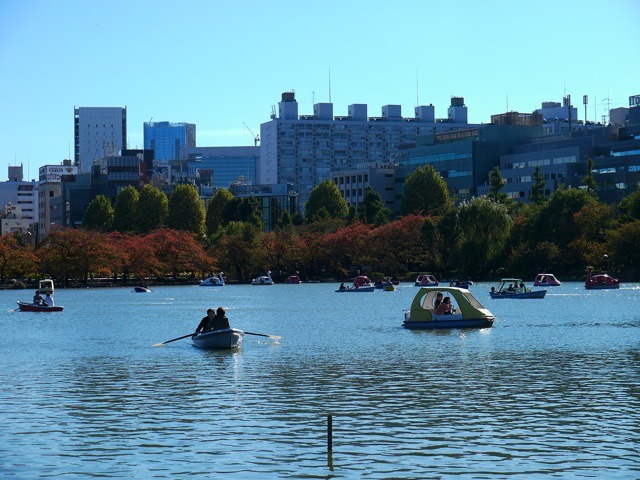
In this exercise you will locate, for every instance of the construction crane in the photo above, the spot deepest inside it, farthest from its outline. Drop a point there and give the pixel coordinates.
(256, 138)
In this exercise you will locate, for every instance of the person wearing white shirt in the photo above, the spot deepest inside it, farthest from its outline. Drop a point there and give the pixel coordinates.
(49, 300)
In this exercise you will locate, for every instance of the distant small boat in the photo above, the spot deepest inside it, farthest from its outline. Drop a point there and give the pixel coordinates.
(293, 280)
(469, 314)
(141, 290)
(515, 288)
(600, 281)
(263, 280)
(426, 280)
(31, 307)
(215, 281)
(219, 339)
(546, 280)
(46, 286)
(356, 289)
(389, 288)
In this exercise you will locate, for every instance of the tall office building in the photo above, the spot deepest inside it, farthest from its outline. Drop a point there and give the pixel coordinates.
(169, 140)
(98, 132)
(18, 203)
(305, 150)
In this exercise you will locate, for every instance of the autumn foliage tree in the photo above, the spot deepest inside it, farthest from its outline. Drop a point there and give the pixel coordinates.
(77, 253)
(16, 261)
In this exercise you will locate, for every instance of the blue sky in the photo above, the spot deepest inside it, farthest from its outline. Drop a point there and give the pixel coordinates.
(222, 64)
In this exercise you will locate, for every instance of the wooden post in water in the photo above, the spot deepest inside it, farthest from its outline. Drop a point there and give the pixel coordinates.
(329, 433)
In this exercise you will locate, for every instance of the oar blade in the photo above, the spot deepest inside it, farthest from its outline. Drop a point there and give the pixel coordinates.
(274, 337)
(172, 340)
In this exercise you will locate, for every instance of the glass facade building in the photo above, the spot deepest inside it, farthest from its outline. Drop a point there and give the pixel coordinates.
(169, 140)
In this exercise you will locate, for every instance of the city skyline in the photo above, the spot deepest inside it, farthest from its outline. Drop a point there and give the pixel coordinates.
(221, 67)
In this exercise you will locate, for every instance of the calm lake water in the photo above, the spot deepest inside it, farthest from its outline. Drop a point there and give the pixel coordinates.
(552, 390)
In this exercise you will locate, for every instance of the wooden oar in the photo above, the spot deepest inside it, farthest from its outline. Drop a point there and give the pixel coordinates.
(172, 340)
(275, 337)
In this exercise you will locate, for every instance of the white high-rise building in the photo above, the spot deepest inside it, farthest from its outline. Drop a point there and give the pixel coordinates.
(98, 132)
(304, 150)
(18, 204)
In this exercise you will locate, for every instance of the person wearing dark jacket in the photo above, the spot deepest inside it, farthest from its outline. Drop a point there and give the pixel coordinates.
(213, 321)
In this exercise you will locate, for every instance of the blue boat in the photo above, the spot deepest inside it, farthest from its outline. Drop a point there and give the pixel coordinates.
(516, 289)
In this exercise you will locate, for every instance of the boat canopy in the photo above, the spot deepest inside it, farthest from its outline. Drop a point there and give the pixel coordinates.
(422, 307)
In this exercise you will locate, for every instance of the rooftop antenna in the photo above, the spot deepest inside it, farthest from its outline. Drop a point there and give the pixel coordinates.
(507, 103)
(313, 97)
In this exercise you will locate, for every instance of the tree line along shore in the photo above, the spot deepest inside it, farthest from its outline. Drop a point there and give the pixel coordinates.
(145, 236)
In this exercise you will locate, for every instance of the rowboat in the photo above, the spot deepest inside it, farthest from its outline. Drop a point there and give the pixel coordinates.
(141, 290)
(469, 313)
(218, 339)
(31, 307)
(546, 280)
(515, 288)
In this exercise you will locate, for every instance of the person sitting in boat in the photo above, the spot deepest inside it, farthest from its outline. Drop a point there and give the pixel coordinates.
(48, 300)
(37, 298)
(213, 321)
(342, 287)
(510, 289)
(206, 323)
(438, 301)
(522, 288)
(445, 307)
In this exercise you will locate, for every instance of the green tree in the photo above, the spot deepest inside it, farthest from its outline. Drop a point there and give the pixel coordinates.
(214, 209)
(153, 208)
(426, 192)
(98, 215)
(326, 195)
(557, 221)
(589, 179)
(623, 245)
(484, 227)
(536, 194)
(246, 209)
(126, 210)
(496, 183)
(285, 221)
(372, 208)
(186, 211)
(630, 206)
(239, 249)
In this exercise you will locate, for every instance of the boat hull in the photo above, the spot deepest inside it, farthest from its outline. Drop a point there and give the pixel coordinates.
(522, 295)
(602, 287)
(141, 290)
(439, 324)
(218, 339)
(30, 307)
(356, 290)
